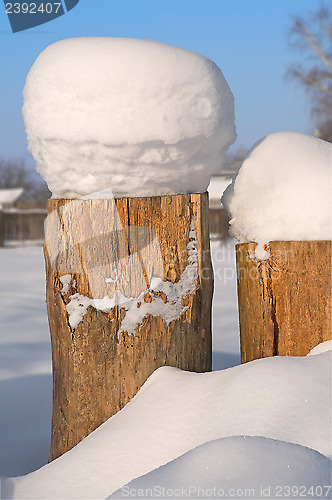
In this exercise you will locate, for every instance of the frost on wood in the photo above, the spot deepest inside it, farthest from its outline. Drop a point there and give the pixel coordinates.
(137, 117)
(66, 282)
(161, 298)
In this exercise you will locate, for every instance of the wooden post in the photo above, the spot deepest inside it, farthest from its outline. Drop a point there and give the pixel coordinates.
(284, 301)
(152, 256)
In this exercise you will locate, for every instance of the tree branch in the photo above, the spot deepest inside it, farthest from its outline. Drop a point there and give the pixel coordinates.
(317, 47)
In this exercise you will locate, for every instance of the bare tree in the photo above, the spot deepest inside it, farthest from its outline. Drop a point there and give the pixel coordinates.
(313, 38)
(16, 174)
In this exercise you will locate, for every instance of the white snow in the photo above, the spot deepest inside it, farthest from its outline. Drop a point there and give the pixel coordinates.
(267, 422)
(66, 281)
(287, 399)
(135, 117)
(323, 347)
(10, 195)
(218, 185)
(25, 351)
(25, 362)
(240, 467)
(282, 191)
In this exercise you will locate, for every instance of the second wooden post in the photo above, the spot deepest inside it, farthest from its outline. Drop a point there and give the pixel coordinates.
(285, 300)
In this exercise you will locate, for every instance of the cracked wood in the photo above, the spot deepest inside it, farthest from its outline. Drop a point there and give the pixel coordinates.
(95, 373)
(284, 301)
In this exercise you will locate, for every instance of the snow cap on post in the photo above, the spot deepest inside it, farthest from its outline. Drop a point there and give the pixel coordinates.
(138, 117)
(282, 191)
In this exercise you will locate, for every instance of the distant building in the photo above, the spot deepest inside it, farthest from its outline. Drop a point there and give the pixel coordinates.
(9, 196)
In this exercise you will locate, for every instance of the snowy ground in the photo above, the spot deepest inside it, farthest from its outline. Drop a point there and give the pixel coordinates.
(259, 430)
(25, 358)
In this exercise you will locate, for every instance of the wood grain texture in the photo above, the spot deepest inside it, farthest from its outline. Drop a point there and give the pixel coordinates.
(285, 301)
(96, 370)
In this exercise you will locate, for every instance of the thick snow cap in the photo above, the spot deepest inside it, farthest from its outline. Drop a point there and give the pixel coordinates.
(137, 117)
(282, 191)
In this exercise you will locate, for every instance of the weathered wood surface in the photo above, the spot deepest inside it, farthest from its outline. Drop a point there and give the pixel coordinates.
(97, 367)
(285, 301)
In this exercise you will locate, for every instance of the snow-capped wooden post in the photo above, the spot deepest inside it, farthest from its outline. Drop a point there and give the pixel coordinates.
(158, 261)
(281, 199)
(127, 134)
(285, 300)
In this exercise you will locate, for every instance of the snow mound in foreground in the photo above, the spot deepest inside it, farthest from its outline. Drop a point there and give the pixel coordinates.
(282, 398)
(137, 117)
(322, 347)
(282, 191)
(230, 466)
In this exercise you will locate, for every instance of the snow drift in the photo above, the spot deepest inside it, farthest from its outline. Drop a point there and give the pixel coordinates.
(237, 467)
(286, 399)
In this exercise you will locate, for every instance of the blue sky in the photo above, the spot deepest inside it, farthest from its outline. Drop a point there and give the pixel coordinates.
(247, 39)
